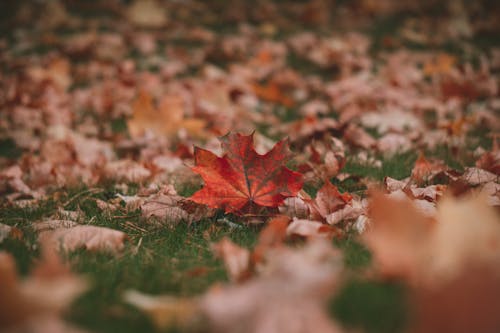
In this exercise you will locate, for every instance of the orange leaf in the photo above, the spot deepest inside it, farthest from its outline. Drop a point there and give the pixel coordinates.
(272, 93)
(443, 64)
(425, 169)
(166, 120)
(242, 179)
(329, 200)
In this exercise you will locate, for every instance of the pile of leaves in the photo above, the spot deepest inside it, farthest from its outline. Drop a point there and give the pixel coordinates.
(238, 168)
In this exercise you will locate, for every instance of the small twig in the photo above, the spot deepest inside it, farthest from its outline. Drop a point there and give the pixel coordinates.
(136, 248)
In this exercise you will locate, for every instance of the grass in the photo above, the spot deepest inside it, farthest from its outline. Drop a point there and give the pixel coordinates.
(160, 259)
(174, 260)
(375, 307)
(177, 260)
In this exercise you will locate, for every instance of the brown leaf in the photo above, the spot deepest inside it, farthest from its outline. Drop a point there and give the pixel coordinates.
(126, 170)
(468, 302)
(397, 235)
(424, 169)
(165, 311)
(308, 228)
(273, 235)
(166, 120)
(236, 259)
(262, 304)
(267, 304)
(36, 303)
(88, 237)
(147, 13)
(169, 206)
(328, 200)
(476, 176)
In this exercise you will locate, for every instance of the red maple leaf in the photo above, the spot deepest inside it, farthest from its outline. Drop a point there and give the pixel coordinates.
(243, 180)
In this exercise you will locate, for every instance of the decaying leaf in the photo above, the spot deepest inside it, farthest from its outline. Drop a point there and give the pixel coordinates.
(243, 180)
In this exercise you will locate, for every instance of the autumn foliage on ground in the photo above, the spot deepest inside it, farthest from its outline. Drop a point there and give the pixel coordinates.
(253, 166)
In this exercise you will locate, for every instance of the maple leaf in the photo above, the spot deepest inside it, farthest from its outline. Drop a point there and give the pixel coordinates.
(164, 120)
(263, 303)
(70, 236)
(37, 302)
(236, 259)
(272, 93)
(242, 179)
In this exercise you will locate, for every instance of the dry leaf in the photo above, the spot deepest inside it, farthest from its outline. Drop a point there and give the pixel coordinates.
(87, 237)
(166, 120)
(165, 311)
(236, 259)
(397, 235)
(308, 228)
(476, 176)
(36, 303)
(126, 170)
(328, 200)
(147, 13)
(169, 206)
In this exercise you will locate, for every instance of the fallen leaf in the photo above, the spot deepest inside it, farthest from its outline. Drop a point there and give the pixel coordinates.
(273, 235)
(350, 211)
(147, 13)
(468, 302)
(166, 120)
(36, 303)
(126, 170)
(468, 231)
(308, 228)
(359, 137)
(262, 304)
(397, 236)
(442, 64)
(243, 180)
(296, 206)
(328, 200)
(169, 206)
(6, 231)
(267, 304)
(165, 311)
(272, 92)
(424, 169)
(88, 237)
(53, 224)
(476, 176)
(236, 259)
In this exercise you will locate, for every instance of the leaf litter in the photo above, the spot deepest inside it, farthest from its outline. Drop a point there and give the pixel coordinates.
(300, 120)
